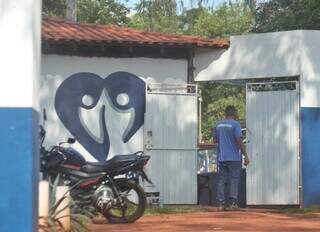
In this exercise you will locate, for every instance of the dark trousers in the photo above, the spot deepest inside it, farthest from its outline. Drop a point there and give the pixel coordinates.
(228, 175)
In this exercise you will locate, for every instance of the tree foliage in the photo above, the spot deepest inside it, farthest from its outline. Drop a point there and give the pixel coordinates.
(54, 8)
(156, 15)
(102, 12)
(188, 19)
(90, 11)
(228, 19)
(216, 97)
(279, 15)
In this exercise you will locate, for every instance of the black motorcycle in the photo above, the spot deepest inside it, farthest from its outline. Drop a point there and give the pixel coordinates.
(111, 187)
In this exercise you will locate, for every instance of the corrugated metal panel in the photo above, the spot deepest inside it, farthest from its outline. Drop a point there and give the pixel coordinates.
(273, 145)
(171, 134)
(174, 174)
(172, 120)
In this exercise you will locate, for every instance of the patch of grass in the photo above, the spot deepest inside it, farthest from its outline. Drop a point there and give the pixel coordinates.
(311, 209)
(153, 210)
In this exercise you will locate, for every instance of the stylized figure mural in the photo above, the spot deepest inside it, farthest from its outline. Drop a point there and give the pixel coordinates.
(71, 97)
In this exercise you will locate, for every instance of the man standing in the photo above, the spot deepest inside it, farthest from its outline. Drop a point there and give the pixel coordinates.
(228, 136)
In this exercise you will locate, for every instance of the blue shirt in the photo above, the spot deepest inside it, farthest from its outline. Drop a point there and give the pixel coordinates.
(226, 132)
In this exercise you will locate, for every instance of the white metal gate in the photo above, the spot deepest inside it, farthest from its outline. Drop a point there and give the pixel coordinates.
(273, 143)
(170, 136)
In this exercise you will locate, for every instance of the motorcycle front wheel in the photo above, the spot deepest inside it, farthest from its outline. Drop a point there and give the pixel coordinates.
(133, 203)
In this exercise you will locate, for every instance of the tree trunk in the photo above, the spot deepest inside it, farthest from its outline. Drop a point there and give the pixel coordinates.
(71, 10)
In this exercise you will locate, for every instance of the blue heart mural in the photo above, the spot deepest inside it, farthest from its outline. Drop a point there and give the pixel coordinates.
(69, 100)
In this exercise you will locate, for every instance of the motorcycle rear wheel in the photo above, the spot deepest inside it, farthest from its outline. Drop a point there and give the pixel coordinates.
(134, 203)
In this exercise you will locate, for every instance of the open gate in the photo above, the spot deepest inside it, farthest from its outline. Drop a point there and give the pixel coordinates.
(273, 143)
(170, 137)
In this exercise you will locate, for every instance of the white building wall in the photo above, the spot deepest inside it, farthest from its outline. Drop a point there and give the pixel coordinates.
(21, 49)
(203, 57)
(310, 69)
(156, 70)
(55, 69)
(269, 55)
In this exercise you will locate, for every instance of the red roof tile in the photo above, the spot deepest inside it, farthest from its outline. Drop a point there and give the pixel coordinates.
(63, 31)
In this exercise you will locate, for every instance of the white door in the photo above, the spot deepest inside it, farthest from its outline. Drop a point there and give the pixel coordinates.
(170, 136)
(273, 143)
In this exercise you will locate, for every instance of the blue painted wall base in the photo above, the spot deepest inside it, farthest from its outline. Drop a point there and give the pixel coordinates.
(310, 149)
(19, 168)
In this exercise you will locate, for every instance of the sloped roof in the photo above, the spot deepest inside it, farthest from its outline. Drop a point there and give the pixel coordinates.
(54, 30)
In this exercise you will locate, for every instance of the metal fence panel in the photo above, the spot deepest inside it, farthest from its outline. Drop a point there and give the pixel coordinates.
(170, 137)
(174, 174)
(172, 120)
(273, 146)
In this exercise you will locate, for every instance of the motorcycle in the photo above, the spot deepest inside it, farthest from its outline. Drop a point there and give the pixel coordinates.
(111, 187)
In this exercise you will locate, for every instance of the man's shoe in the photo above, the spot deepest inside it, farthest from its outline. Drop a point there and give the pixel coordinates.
(233, 207)
(221, 207)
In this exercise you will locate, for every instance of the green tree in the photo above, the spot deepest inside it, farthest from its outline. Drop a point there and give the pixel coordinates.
(279, 15)
(90, 11)
(251, 3)
(188, 18)
(102, 12)
(216, 97)
(54, 8)
(228, 19)
(156, 15)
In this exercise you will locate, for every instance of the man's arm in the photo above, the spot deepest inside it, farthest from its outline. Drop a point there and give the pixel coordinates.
(243, 150)
(238, 136)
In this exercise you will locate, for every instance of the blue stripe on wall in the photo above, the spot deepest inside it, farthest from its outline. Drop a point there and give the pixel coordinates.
(18, 169)
(310, 148)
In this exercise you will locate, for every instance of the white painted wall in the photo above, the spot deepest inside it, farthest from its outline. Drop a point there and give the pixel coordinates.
(203, 57)
(278, 54)
(310, 69)
(20, 52)
(55, 69)
(258, 55)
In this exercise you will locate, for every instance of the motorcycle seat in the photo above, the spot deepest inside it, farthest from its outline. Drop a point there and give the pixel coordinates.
(109, 165)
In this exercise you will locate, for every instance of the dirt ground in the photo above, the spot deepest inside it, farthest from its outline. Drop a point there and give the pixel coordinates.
(248, 220)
